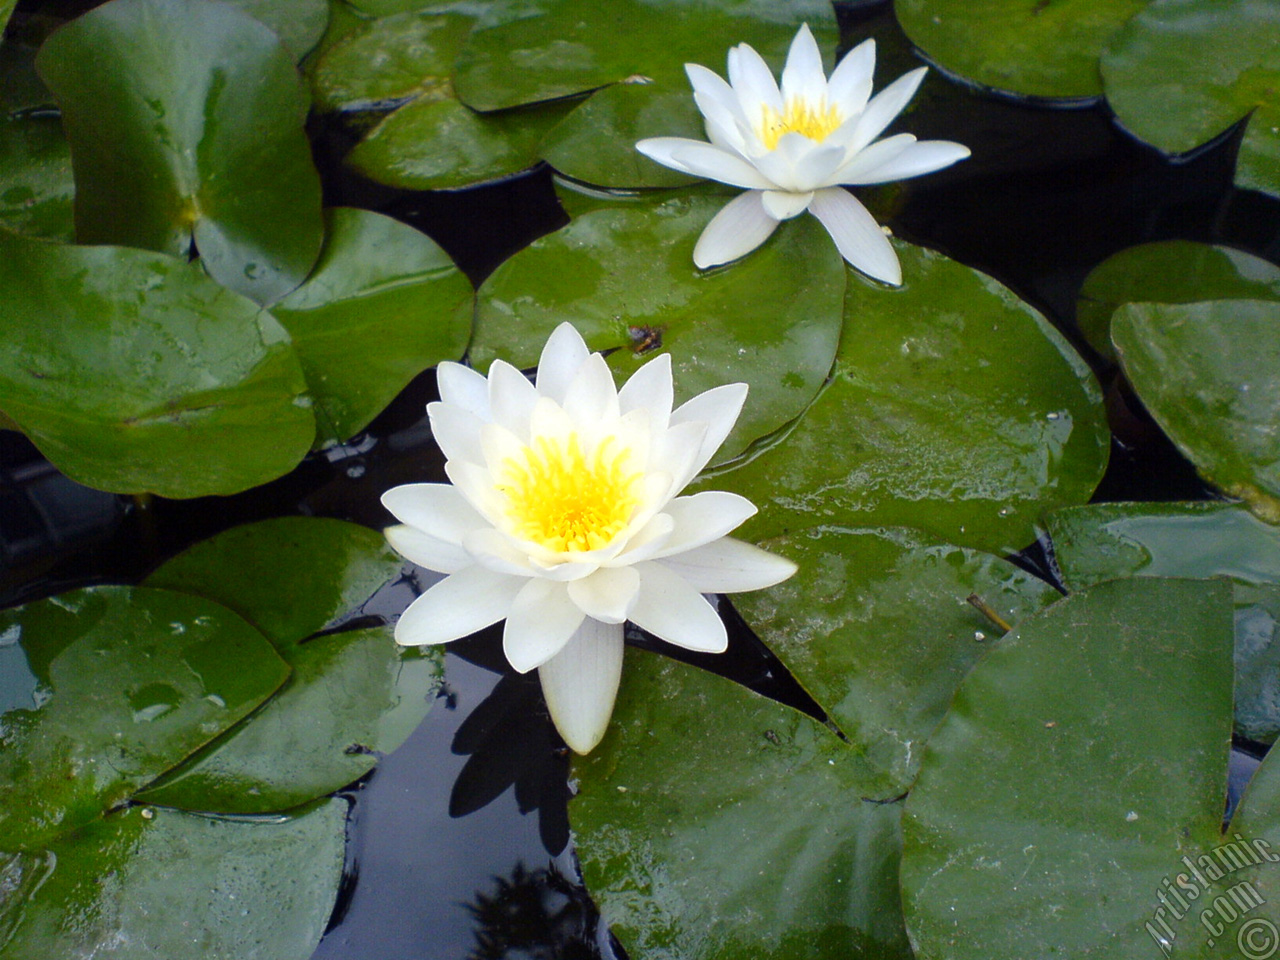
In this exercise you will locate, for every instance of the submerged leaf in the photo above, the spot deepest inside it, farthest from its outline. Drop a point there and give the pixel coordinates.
(1172, 271)
(1202, 540)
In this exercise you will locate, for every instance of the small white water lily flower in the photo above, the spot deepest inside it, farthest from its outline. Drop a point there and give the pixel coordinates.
(793, 147)
(564, 518)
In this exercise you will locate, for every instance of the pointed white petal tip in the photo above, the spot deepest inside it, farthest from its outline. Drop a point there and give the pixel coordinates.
(580, 683)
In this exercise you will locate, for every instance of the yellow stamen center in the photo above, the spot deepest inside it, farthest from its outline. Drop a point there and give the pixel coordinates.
(815, 121)
(565, 500)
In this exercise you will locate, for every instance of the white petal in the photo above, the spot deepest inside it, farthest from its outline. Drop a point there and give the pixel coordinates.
(886, 105)
(500, 445)
(876, 155)
(458, 606)
(803, 77)
(850, 85)
(437, 509)
(650, 388)
(580, 683)
(676, 455)
(592, 398)
(703, 160)
(494, 550)
(779, 164)
(561, 358)
(729, 566)
(857, 235)
(784, 206)
(668, 607)
(719, 408)
(607, 595)
(753, 82)
(475, 483)
(426, 550)
(719, 106)
(463, 387)
(456, 430)
(740, 227)
(704, 517)
(645, 542)
(917, 159)
(540, 622)
(511, 398)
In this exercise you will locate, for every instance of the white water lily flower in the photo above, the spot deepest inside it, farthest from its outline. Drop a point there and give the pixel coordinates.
(793, 147)
(563, 518)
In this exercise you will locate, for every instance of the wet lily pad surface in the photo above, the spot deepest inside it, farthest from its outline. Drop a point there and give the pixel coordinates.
(877, 626)
(1205, 371)
(183, 119)
(352, 696)
(123, 683)
(1171, 271)
(1122, 695)
(1106, 541)
(679, 835)
(954, 407)
(1184, 71)
(1027, 47)
(150, 882)
(190, 390)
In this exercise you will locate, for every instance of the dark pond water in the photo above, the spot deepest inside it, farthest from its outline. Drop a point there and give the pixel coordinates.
(457, 841)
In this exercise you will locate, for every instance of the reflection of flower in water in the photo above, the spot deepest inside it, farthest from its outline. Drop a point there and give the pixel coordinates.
(534, 914)
(563, 518)
(792, 148)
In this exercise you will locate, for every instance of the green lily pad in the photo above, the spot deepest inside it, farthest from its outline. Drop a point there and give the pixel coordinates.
(351, 696)
(1031, 47)
(298, 23)
(1183, 71)
(154, 883)
(624, 276)
(954, 407)
(185, 391)
(36, 184)
(712, 823)
(185, 120)
(1173, 271)
(125, 683)
(390, 62)
(565, 47)
(383, 304)
(253, 569)
(1079, 762)
(1105, 541)
(430, 141)
(444, 145)
(596, 143)
(1111, 540)
(877, 627)
(1206, 372)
